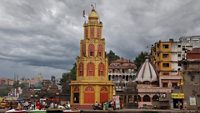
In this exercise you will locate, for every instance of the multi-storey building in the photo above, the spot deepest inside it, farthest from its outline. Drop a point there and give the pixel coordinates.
(6, 81)
(165, 56)
(121, 71)
(91, 84)
(191, 76)
(188, 43)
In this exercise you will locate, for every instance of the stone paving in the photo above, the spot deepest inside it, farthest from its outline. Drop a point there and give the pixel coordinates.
(141, 111)
(134, 111)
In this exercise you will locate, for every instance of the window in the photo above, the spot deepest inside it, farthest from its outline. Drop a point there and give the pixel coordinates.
(109, 77)
(155, 98)
(146, 98)
(76, 95)
(91, 50)
(100, 50)
(179, 45)
(101, 69)
(166, 46)
(81, 70)
(165, 64)
(158, 45)
(165, 84)
(165, 55)
(179, 55)
(90, 69)
(137, 98)
(192, 77)
(158, 54)
(174, 85)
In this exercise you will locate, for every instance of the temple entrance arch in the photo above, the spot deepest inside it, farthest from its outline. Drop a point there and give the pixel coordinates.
(155, 98)
(89, 95)
(76, 95)
(103, 94)
(146, 98)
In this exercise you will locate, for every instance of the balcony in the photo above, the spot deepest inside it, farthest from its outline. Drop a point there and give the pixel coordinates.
(121, 73)
(171, 77)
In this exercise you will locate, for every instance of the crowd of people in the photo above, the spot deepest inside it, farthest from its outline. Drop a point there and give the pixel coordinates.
(104, 106)
(37, 105)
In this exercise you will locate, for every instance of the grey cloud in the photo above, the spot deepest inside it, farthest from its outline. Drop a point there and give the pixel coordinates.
(45, 35)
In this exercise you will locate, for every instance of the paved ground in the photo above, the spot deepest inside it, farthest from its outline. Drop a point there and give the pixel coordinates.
(141, 111)
(134, 111)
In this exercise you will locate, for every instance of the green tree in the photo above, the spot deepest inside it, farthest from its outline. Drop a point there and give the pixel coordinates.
(140, 59)
(112, 56)
(66, 78)
(4, 90)
(24, 85)
(16, 84)
(73, 72)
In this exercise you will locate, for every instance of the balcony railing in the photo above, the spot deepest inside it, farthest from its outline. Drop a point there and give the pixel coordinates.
(121, 73)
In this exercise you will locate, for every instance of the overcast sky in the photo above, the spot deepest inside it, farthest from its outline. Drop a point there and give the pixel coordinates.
(43, 36)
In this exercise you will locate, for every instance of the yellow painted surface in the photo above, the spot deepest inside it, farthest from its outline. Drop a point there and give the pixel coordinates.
(158, 57)
(96, 81)
(177, 95)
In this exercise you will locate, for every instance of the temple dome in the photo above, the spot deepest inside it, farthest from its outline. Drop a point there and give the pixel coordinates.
(146, 73)
(93, 14)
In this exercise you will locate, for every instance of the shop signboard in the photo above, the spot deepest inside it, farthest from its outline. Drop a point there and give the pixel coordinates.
(177, 95)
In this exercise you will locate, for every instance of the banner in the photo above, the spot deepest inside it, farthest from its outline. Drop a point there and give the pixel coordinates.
(193, 101)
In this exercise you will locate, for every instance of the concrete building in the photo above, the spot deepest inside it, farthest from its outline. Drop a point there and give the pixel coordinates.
(191, 75)
(188, 43)
(123, 73)
(6, 81)
(91, 84)
(165, 56)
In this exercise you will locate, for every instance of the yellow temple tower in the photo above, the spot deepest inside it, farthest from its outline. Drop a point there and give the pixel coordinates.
(91, 84)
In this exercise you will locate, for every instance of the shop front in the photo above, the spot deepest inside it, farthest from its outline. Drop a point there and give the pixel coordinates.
(177, 100)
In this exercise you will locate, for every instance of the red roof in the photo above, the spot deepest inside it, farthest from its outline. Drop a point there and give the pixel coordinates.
(122, 63)
(193, 54)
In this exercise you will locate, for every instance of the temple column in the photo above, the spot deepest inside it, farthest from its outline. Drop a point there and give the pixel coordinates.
(81, 94)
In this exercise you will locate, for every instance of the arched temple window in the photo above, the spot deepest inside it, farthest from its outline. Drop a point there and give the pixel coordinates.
(76, 95)
(101, 69)
(137, 98)
(81, 69)
(146, 98)
(90, 69)
(91, 50)
(100, 50)
(155, 98)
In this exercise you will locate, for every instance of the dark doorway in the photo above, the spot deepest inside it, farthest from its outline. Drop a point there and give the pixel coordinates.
(178, 103)
(76, 97)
